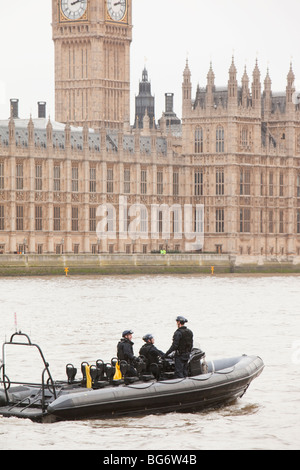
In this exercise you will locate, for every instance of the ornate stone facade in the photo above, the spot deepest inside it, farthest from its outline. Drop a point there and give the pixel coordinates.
(243, 145)
(89, 183)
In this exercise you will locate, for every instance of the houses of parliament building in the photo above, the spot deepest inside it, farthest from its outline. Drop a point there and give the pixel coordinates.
(77, 184)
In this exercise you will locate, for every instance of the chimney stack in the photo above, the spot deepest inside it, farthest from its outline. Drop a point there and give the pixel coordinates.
(41, 109)
(14, 108)
(169, 100)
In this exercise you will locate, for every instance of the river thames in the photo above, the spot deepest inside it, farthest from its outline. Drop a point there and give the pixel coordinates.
(77, 319)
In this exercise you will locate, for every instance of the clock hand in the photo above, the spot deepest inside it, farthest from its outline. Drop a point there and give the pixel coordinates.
(77, 1)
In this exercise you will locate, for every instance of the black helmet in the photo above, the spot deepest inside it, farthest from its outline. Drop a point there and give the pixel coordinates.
(147, 337)
(127, 332)
(181, 319)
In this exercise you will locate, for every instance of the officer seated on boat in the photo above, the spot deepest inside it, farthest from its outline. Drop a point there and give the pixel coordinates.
(125, 352)
(150, 352)
(182, 345)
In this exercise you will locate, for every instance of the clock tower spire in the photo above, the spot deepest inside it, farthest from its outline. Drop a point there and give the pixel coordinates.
(92, 61)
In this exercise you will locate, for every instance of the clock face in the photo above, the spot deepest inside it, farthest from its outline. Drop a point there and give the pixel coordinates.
(74, 9)
(116, 9)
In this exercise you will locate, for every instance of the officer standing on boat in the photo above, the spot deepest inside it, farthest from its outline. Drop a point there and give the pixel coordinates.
(125, 351)
(182, 345)
(149, 351)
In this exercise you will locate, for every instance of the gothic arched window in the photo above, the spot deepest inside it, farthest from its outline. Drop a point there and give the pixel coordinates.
(199, 140)
(244, 138)
(220, 139)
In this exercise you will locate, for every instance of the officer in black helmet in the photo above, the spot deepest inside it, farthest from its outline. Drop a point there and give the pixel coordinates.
(182, 345)
(149, 351)
(125, 351)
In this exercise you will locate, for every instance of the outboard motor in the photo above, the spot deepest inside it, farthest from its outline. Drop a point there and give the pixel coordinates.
(197, 363)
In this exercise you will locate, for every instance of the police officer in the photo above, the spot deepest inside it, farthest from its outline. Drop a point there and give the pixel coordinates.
(150, 352)
(125, 352)
(182, 345)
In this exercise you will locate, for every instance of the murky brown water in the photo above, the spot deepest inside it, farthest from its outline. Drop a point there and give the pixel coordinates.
(81, 318)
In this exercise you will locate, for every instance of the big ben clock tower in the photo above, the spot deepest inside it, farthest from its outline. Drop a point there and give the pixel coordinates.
(92, 61)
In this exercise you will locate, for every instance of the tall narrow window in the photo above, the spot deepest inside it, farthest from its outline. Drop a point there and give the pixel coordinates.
(298, 221)
(199, 140)
(177, 222)
(220, 182)
(244, 138)
(261, 183)
(160, 222)
(271, 222)
(19, 218)
(261, 221)
(199, 220)
(281, 222)
(110, 221)
(38, 177)
(198, 180)
(38, 218)
(75, 179)
(1, 217)
(144, 222)
(160, 183)
(143, 181)
(271, 188)
(19, 176)
(92, 219)
(110, 180)
(245, 220)
(281, 184)
(74, 219)
(126, 180)
(220, 139)
(92, 180)
(220, 220)
(245, 182)
(1, 175)
(56, 219)
(175, 183)
(56, 178)
(298, 185)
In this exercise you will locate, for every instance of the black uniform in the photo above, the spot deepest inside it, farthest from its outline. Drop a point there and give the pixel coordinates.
(125, 353)
(151, 353)
(182, 345)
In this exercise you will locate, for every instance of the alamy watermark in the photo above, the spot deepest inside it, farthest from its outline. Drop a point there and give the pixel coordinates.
(155, 222)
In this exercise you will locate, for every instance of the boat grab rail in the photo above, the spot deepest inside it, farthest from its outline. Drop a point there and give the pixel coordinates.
(49, 384)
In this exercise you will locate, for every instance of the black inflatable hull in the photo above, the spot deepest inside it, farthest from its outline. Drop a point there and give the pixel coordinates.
(217, 387)
(226, 380)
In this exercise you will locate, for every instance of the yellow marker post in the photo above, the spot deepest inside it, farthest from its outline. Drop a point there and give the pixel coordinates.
(212, 269)
(66, 271)
(88, 377)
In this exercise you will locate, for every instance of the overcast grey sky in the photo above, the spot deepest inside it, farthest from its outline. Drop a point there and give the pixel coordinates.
(165, 33)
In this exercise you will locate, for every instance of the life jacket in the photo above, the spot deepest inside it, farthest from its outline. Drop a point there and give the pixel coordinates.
(150, 352)
(125, 350)
(186, 341)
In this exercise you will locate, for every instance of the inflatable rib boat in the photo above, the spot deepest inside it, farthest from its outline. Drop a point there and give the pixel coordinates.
(98, 395)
